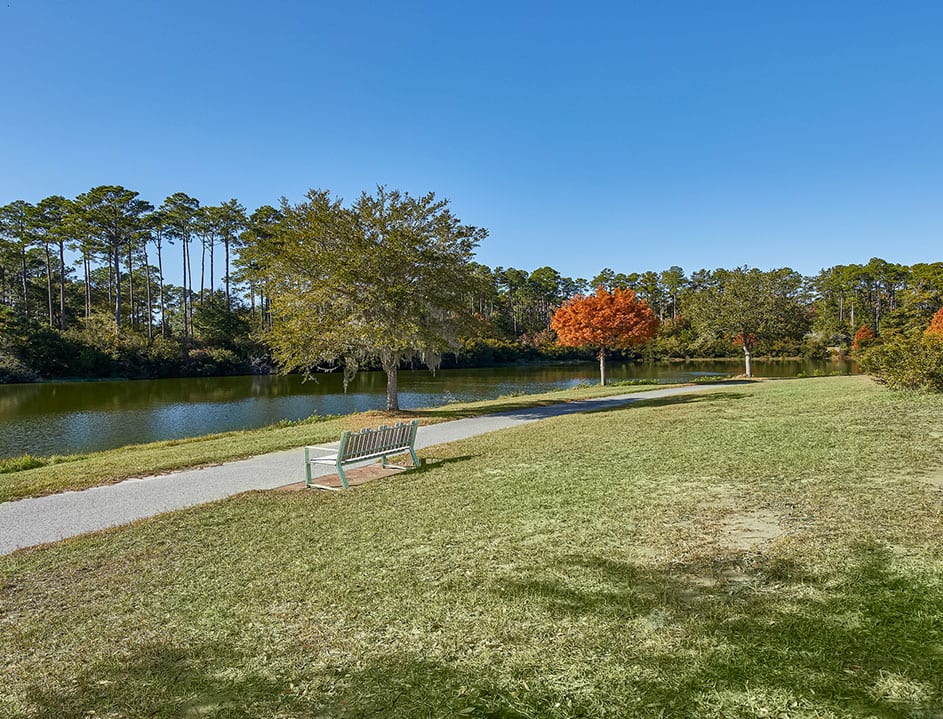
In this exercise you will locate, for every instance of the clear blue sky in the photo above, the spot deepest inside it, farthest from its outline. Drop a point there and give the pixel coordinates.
(630, 135)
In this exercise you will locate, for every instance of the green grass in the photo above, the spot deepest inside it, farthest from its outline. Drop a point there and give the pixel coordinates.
(29, 476)
(765, 550)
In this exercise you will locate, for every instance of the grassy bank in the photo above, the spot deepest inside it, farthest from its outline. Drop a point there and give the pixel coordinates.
(767, 550)
(31, 477)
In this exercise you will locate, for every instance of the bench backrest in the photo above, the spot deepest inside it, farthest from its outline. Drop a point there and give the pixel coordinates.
(370, 442)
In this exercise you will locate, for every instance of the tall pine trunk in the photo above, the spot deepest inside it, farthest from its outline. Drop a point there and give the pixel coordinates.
(61, 285)
(190, 283)
(25, 284)
(49, 282)
(147, 296)
(228, 299)
(131, 283)
(117, 267)
(186, 254)
(160, 288)
(86, 266)
(203, 270)
(212, 263)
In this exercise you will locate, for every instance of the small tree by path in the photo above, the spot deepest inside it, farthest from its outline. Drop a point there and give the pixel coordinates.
(749, 306)
(604, 321)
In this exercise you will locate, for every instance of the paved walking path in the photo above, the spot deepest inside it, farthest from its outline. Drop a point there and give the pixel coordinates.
(29, 522)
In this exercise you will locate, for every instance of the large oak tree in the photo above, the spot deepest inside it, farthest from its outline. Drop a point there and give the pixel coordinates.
(387, 279)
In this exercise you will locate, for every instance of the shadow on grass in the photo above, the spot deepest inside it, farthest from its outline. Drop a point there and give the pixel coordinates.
(428, 464)
(867, 641)
(158, 680)
(725, 636)
(155, 680)
(524, 402)
(595, 406)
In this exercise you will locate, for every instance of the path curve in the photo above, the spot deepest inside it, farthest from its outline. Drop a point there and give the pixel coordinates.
(30, 522)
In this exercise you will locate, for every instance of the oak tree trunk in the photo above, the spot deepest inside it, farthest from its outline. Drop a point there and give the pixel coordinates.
(392, 392)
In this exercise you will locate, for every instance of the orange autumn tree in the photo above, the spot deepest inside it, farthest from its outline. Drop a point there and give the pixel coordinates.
(936, 325)
(604, 321)
(863, 337)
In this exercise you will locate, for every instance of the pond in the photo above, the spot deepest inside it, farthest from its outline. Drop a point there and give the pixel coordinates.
(76, 417)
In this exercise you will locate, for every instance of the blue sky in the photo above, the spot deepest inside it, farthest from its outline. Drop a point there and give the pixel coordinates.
(626, 135)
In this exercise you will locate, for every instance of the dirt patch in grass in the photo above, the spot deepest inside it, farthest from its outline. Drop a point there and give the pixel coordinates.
(934, 479)
(739, 526)
(746, 530)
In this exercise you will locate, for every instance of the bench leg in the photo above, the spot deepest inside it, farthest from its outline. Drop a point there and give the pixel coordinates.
(340, 472)
(412, 452)
(307, 469)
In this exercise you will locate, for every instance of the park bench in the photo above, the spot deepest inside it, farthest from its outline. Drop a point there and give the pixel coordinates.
(364, 445)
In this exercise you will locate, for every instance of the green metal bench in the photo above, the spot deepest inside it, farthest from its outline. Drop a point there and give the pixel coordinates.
(366, 444)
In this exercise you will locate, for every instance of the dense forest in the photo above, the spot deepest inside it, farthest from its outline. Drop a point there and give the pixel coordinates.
(84, 292)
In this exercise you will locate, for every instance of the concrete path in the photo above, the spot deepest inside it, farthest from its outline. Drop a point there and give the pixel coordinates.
(29, 522)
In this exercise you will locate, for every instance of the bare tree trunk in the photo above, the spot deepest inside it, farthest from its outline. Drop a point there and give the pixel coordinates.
(602, 366)
(747, 357)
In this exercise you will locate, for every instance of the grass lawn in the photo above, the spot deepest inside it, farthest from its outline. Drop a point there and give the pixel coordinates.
(764, 550)
(20, 477)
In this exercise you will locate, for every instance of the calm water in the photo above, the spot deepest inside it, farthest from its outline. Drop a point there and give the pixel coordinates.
(75, 417)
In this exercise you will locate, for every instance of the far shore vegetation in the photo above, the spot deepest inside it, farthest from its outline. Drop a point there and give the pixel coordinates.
(85, 291)
(768, 549)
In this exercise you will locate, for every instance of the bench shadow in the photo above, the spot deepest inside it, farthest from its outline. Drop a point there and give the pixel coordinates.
(361, 475)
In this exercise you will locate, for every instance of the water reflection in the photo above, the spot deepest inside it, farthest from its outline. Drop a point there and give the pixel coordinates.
(74, 417)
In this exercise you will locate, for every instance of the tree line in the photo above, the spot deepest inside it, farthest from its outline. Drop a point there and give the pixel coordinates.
(84, 291)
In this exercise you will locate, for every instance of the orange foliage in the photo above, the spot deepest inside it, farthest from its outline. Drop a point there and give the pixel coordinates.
(862, 337)
(936, 325)
(749, 341)
(607, 320)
